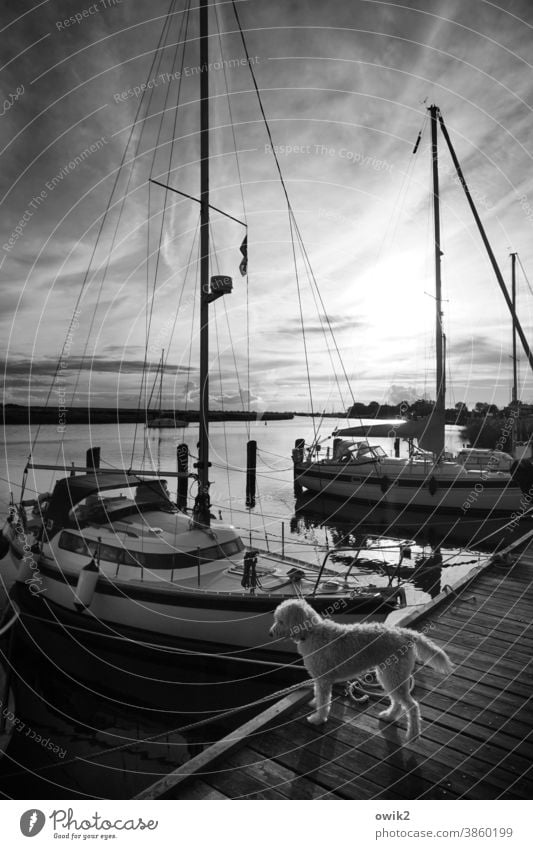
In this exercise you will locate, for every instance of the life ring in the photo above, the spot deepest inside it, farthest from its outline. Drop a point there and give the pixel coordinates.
(433, 485)
(385, 484)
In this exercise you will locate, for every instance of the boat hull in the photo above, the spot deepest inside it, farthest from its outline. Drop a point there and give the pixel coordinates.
(423, 492)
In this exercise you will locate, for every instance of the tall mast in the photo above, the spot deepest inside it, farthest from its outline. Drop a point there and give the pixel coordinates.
(201, 510)
(499, 277)
(439, 339)
(513, 300)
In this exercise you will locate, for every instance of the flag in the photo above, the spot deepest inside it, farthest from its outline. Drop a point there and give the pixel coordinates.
(243, 267)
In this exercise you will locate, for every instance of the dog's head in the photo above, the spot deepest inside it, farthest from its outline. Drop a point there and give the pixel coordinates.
(294, 619)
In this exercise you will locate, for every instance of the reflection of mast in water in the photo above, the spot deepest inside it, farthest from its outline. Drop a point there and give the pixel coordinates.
(428, 571)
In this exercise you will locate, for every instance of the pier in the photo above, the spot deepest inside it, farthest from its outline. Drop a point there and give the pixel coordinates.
(476, 738)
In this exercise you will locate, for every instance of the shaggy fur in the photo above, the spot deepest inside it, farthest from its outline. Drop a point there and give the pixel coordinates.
(333, 652)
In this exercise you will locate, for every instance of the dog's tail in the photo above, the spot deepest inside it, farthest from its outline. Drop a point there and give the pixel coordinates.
(430, 653)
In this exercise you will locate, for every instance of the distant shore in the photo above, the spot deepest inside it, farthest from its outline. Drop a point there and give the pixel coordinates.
(17, 414)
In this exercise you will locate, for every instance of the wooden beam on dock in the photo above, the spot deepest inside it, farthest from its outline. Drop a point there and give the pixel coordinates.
(226, 745)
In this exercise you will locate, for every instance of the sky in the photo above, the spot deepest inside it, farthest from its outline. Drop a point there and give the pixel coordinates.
(345, 86)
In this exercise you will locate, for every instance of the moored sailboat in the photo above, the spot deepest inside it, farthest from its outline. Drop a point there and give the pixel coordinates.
(426, 480)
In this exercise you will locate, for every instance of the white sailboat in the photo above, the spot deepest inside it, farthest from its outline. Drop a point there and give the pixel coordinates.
(362, 473)
(108, 565)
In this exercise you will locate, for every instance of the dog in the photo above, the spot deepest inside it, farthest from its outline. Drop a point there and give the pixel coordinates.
(333, 652)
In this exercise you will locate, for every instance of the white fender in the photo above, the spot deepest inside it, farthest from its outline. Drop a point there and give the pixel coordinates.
(86, 586)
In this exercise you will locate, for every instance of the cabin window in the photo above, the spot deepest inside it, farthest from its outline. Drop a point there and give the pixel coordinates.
(74, 543)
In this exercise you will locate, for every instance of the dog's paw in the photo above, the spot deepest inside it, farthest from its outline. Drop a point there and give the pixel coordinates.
(316, 719)
(312, 703)
(386, 715)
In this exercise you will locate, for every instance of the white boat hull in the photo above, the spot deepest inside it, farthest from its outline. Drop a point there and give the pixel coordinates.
(468, 493)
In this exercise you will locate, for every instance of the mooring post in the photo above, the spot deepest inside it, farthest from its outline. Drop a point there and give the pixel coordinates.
(283, 539)
(93, 458)
(183, 476)
(297, 457)
(251, 466)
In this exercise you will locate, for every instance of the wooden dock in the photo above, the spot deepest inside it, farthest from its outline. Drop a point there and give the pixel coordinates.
(476, 742)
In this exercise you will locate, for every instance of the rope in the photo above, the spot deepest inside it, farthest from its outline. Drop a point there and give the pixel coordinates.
(5, 628)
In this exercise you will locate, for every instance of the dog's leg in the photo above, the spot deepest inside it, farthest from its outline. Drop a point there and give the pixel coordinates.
(388, 683)
(312, 703)
(413, 720)
(323, 702)
(397, 682)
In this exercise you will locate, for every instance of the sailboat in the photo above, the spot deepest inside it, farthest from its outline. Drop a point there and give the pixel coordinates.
(362, 473)
(161, 421)
(109, 566)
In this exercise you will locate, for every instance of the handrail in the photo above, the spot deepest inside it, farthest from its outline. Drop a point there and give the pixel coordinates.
(323, 566)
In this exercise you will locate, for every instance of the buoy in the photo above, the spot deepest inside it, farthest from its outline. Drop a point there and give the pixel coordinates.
(86, 586)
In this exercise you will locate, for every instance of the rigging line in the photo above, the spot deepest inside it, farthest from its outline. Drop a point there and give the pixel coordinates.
(239, 175)
(287, 199)
(241, 397)
(101, 226)
(298, 289)
(117, 224)
(184, 21)
(97, 240)
(177, 310)
(291, 213)
(524, 273)
(221, 386)
(149, 313)
(193, 319)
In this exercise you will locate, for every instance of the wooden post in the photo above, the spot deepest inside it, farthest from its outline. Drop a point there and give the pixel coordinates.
(93, 458)
(251, 467)
(297, 457)
(183, 476)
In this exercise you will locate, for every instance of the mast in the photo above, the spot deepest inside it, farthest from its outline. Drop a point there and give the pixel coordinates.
(492, 258)
(201, 511)
(513, 300)
(439, 337)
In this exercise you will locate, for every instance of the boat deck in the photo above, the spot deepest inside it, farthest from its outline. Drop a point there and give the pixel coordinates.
(477, 732)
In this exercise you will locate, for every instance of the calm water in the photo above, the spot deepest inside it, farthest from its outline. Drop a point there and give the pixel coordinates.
(72, 742)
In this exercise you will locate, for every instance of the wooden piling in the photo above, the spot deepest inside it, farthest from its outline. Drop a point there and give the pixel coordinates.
(93, 458)
(297, 457)
(251, 471)
(183, 475)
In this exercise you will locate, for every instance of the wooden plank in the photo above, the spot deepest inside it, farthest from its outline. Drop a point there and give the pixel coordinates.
(433, 760)
(262, 774)
(200, 790)
(337, 768)
(228, 743)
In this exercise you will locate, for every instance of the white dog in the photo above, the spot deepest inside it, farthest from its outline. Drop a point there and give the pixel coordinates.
(333, 652)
